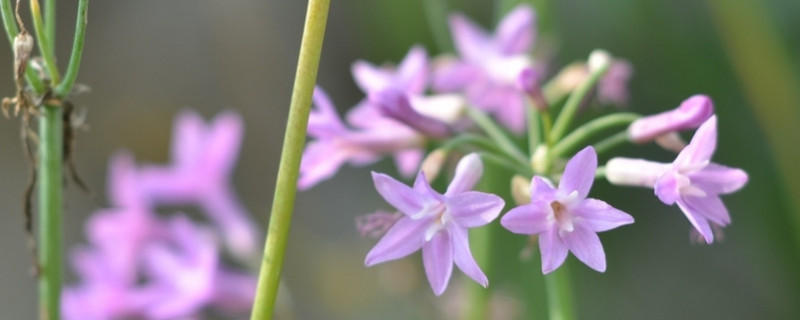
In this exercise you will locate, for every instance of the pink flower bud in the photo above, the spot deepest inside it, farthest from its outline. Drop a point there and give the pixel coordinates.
(690, 114)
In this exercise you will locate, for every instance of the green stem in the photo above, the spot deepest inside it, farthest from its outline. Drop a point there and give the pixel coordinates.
(45, 48)
(571, 106)
(496, 134)
(288, 170)
(611, 142)
(600, 172)
(559, 294)
(50, 202)
(590, 129)
(504, 163)
(64, 88)
(534, 127)
(50, 21)
(478, 296)
(10, 24)
(436, 14)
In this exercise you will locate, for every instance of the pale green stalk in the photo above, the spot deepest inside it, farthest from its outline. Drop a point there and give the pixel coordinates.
(288, 171)
(579, 136)
(436, 15)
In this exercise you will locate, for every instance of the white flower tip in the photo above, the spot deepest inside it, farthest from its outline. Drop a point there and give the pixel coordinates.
(599, 59)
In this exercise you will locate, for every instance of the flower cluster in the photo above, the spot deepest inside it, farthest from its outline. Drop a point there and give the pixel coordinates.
(140, 265)
(489, 102)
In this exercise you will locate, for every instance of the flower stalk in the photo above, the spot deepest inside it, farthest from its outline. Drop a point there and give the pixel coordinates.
(51, 255)
(44, 42)
(559, 294)
(288, 171)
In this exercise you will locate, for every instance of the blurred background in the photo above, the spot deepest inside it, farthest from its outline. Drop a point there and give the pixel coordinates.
(146, 60)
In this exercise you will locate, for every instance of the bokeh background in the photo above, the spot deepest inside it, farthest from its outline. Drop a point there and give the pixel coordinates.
(145, 60)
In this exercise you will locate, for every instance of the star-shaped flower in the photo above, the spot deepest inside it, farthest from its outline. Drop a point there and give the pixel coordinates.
(695, 183)
(437, 223)
(564, 218)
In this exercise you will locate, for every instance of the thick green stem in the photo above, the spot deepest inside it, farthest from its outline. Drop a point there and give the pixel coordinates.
(44, 43)
(50, 213)
(571, 106)
(286, 185)
(559, 294)
(64, 88)
(496, 134)
(585, 132)
(10, 24)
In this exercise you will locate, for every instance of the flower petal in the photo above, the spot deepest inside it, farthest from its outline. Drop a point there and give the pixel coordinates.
(472, 209)
(710, 207)
(515, 33)
(404, 238)
(470, 40)
(599, 216)
(579, 173)
(324, 121)
(369, 77)
(698, 220)
(463, 256)
(187, 140)
(321, 160)
(528, 219)
(408, 161)
(468, 171)
(542, 190)
(702, 146)
(412, 73)
(718, 179)
(221, 147)
(553, 251)
(586, 246)
(437, 257)
(400, 196)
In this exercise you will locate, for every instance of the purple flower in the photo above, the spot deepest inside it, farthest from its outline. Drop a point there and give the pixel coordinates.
(695, 183)
(613, 86)
(186, 274)
(395, 104)
(690, 114)
(489, 65)
(203, 159)
(335, 144)
(437, 223)
(564, 218)
(692, 180)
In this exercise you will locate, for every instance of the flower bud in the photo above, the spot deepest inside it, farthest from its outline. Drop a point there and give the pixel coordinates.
(433, 163)
(529, 83)
(634, 172)
(690, 114)
(521, 190)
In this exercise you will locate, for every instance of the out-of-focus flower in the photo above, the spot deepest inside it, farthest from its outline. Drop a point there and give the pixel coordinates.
(437, 223)
(185, 273)
(489, 65)
(564, 218)
(140, 266)
(203, 158)
(613, 86)
(395, 104)
(692, 180)
(335, 144)
(690, 114)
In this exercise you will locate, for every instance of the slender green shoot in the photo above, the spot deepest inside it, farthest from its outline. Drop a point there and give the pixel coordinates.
(44, 43)
(288, 171)
(574, 101)
(585, 132)
(64, 88)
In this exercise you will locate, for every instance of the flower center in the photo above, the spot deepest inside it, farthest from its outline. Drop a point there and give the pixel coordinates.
(562, 216)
